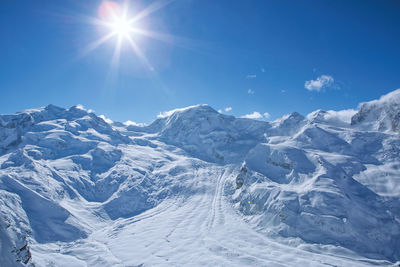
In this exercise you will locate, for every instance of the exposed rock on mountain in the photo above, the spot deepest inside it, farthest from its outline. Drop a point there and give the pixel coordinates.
(196, 184)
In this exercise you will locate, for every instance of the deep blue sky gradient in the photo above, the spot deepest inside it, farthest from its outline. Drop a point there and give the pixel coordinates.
(220, 43)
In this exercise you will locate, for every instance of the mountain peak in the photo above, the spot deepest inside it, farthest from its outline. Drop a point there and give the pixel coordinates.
(287, 124)
(54, 108)
(379, 115)
(392, 97)
(195, 109)
(299, 181)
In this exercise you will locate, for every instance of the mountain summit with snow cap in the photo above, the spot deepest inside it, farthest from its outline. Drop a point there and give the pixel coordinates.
(199, 187)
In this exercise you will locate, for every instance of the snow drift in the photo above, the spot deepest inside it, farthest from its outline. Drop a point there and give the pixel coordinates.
(74, 187)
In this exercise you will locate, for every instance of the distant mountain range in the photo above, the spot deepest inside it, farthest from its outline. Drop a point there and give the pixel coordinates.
(197, 187)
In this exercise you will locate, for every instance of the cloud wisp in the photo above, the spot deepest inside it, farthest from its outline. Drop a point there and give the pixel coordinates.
(251, 76)
(250, 92)
(256, 115)
(132, 123)
(321, 82)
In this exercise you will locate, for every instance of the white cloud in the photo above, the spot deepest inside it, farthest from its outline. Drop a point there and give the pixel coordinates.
(342, 115)
(251, 76)
(106, 119)
(262, 70)
(283, 91)
(227, 109)
(254, 115)
(165, 114)
(132, 123)
(321, 82)
(332, 116)
(219, 110)
(250, 92)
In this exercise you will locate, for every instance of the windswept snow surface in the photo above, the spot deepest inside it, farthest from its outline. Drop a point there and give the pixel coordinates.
(197, 187)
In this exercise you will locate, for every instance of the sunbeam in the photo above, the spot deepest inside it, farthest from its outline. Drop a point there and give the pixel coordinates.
(97, 43)
(116, 19)
(140, 54)
(124, 27)
(150, 9)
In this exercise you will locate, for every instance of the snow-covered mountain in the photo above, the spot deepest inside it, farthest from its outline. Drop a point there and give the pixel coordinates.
(197, 187)
(380, 115)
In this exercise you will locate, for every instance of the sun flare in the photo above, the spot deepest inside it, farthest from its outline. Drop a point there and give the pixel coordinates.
(124, 27)
(114, 17)
(121, 27)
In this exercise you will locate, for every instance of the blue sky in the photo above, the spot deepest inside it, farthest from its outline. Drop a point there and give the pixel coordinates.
(266, 56)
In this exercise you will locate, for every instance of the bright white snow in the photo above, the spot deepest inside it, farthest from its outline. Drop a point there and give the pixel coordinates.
(197, 187)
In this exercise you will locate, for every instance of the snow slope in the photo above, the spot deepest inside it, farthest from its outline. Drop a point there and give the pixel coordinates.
(380, 115)
(197, 187)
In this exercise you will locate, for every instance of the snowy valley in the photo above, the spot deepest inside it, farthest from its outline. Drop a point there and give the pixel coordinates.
(197, 187)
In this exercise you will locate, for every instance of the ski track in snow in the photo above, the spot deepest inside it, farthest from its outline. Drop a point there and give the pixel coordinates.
(201, 230)
(78, 191)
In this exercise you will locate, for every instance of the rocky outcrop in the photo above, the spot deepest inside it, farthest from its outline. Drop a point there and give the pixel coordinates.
(379, 115)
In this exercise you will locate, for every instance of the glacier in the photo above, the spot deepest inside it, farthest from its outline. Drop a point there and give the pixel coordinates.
(197, 187)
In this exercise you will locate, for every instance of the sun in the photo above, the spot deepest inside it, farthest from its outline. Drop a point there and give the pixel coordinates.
(121, 27)
(124, 29)
(114, 17)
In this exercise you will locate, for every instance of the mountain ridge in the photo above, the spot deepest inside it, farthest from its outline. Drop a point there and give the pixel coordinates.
(318, 181)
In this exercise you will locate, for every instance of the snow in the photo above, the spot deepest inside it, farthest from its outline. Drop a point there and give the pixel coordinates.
(197, 187)
(168, 113)
(340, 118)
(379, 115)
